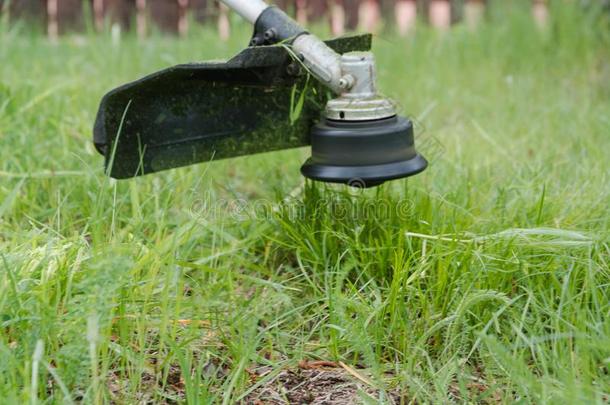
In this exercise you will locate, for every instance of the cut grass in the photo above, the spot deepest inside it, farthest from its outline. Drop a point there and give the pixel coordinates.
(485, 279)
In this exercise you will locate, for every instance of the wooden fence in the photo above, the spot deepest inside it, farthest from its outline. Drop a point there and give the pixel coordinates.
(60, 16)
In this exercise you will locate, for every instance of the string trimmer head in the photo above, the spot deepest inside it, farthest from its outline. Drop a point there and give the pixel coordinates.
(263, 100)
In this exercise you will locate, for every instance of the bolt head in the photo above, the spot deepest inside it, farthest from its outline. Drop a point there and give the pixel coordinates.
(269, 34)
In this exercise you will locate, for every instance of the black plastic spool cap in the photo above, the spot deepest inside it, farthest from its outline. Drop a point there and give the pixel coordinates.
(363, 153)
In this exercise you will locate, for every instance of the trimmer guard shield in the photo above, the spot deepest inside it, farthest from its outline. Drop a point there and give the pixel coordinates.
(198, 112)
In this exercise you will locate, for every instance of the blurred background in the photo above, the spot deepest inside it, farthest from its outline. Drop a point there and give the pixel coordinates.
(57, 17)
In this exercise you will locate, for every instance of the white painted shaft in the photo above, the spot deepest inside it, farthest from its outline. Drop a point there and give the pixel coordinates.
(248, 9)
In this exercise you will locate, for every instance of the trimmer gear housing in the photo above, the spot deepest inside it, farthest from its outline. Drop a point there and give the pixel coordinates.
(362, 142)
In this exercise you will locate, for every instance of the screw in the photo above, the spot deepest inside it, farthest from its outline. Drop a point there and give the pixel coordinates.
(270, 34)
(256, 41)
(346, 82)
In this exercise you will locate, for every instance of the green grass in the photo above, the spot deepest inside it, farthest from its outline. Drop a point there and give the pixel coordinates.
(485, 279)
